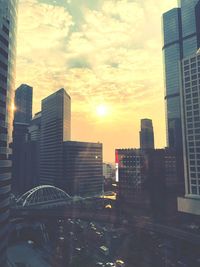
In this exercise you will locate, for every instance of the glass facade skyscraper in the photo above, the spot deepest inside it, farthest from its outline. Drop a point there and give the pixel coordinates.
(172, 55)
(180, 34)
(8, 17)
(181, 28)
(55, 129)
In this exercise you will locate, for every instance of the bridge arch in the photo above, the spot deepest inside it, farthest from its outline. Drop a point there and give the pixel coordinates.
(43, 195)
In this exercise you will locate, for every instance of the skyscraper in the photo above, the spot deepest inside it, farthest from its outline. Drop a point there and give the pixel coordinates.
(83, 169)
(181, 32)
(191, 134)
(55, 129)
(22, 118)
(146, 134)
(23, 104)
(8, 17)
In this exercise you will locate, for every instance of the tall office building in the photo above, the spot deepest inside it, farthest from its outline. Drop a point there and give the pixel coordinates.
(8, 17)
(191, 134)
(83, 169)
(22, 118)
(146, 134)
(55, 129)
(23, 104)
(181, 34)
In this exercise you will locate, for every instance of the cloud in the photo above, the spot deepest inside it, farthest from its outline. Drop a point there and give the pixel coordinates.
(100, 51)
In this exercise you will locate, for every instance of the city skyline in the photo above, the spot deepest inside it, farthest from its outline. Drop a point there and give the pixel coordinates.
(65, 44)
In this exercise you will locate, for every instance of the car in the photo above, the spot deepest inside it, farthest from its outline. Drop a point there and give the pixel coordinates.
(119, 263)
(110, 264)
(100, 264)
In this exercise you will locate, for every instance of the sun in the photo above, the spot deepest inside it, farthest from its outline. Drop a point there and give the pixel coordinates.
(102, 110)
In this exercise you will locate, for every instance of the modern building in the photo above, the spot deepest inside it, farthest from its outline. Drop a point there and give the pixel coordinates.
(22, 118)
(8, 21)
(83, 169)
(181, 32)
(20, 138)
(191, 134)
(25, 157)
(146, 134)
(55, 129)
(145, 176)
(32, 154)
(131, 173)
(23, 104)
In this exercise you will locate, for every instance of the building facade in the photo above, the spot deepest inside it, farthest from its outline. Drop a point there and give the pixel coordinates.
(181, 35)
(8, 21)
(191, 130)
(20, 139)
(55, 129)
(146, 134)
(131, 173)
(23, 104)
(83, 169)
(145, 177)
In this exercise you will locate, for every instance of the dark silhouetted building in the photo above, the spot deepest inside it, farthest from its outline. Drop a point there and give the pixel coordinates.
(8, 17)
(20, 138)
(35, 127)
(83, 169)
(22, 118)
(23, 104)
(144, 178)
(55, 129)
(146, 134)
(32, 152)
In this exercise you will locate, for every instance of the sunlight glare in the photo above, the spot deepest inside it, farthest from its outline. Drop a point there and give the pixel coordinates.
(102, 110)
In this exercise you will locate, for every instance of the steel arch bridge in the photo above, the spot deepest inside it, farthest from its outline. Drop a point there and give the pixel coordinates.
(44, 196)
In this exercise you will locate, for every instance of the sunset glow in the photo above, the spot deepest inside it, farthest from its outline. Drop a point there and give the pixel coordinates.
(97, 49)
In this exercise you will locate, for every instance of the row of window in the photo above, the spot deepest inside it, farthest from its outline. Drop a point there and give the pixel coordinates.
(194, 150)
(189, 108)
(193, 126)
(189, 84)
(193, 77)
(192, 90)
(191, 61)
(196, 137)
(190, 72)
(194, 113)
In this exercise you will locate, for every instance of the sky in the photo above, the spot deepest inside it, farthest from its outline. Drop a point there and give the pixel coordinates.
(107, 54)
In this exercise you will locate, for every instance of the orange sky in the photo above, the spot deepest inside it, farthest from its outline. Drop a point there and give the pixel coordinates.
(103, 52)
